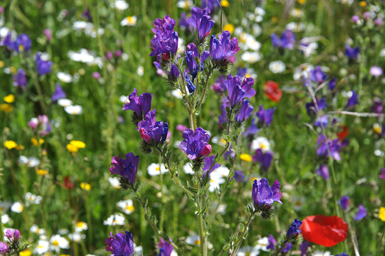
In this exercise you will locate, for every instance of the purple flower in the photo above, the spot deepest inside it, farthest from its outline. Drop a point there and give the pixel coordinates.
(382, 175)
(366, 15)
(321, 121)
(22, 43)
(174, 73)
(377, 106)
(48, 34)
(12, 235)
(200, 22)
(353, 100)
(181, 127)
(378, 21)
(303, 248)
(245, 112)
(332, 84)
(229, 153)
(183, 23)
(43, 67)
(265, 116)
(223, 47)
(328, 147)
(126, 168)
(58, 94)
(140, 105)
(294, 229)
(312, 107)
(352, 53)
(192, 53)
(211, 4)
(241, 72)
(263, 158)
(121, 245)
(287, 247)
(317, 75)
(3, 248)
(7, 41)
(219, 84)
(87, 14)
(263, 195)
(323, 171)
(343, 254)
(239, 176)
(165, 41)
(195, 144)
(151, 131)
(355, 19)
(272, 242)
(252, 129)
(118, 53)
(41, 122)
(96, 75)
(109, 55)
(375, 71)
(190, 85)
(287, 40)
(165, 247)
(19, 79)
(209, 160)
(361, 213)
(239, 89)
(345, 201)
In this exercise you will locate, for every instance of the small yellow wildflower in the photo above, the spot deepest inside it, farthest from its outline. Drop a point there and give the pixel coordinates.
(41, 172)
(85, 186)
(381, 215)
(246, 157)
(20, 147)
(82, 71)
(377, 128)
(225, 3)
(228, 27)
(9, 98)
(274, 19)
(72, 148)
(362, 4)
(301, 1)
(13, 70)
(78, 143)
(10, 144)
(6, 108)
(1, 64)
(25, 253)
(36, 143)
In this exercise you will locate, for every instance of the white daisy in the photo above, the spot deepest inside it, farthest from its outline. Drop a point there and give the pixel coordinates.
(277, 66)
(187, 168)
(177, 93)
(303, 71)
(64, 102)
(256, 30)
(5, 218)
(297, 13)
(140, 70)
(221, 171)
(129, 21)
(64, 77)
(127, 206)
(42, 247)
(74, 110)
(251, 57)
(215, 180)
(319, 253)
(124, 99)
(218, 140)
(114, 220)
(80, 226)
(259, 11)
(4, 206)
(249, 42)
(76, 237)
(154, 169)
(248, 251)
(114, 181)
(298, 203)
(185, 4)
(296, 27)
(35, 229)
(32, 199)
(58, 242)
(260, 142)
(82, 56)
(121, 5)
(193, 240)
(262, 244)
(176, 143)
(29, 161)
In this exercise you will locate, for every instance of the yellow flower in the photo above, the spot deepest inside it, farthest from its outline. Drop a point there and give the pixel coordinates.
(9, 98)
(363, 4)
(377, 128)
(78, 143)
(6, 108)
(225, 3)
(20, 147)
(25, 253)
(246, 157)
(85, 186)
(1, 64)
(72, 148)
(10, 144)
(228, 27)
(274, 19)
(36, 143)
(13, 70)
(381, 215)
(41, 172)
(301, 1)
(82, 71)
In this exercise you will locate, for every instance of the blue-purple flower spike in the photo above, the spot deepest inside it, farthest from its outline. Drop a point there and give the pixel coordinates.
(264, 195)
(287, 40)
(58, 94)
(140, 105)
(294, 229)
(19, 79)
(223, 47)
(195, 144)
(121, 244)
(200, 22)
(165, 41)
(126, 168)
(165, 247)
(239, 89)
(43, 67)
(361, 213)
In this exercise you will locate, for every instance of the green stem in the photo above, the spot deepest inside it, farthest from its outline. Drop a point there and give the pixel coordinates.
(240, 240)
(38, 88)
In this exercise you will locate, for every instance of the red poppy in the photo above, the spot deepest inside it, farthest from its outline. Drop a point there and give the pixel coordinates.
(324, 230)
(68, 183)
(343, 134)
(272, 91)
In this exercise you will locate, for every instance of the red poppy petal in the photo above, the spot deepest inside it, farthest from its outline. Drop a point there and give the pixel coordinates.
(324, 230)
